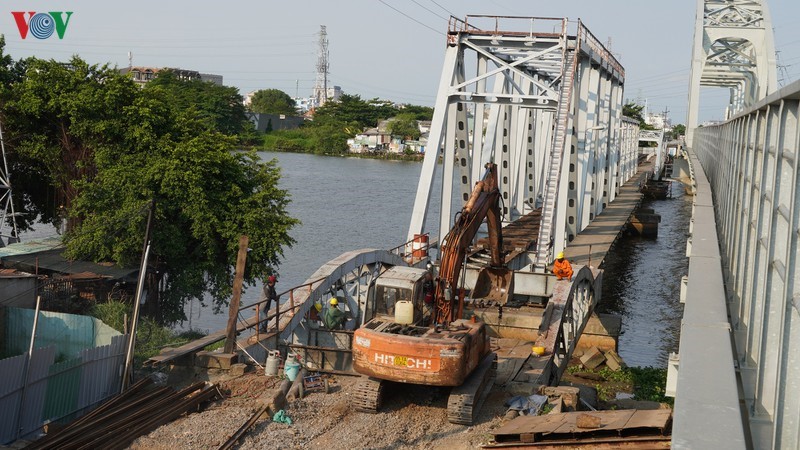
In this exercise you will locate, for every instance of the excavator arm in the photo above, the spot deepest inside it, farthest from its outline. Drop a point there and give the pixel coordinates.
(484, 203)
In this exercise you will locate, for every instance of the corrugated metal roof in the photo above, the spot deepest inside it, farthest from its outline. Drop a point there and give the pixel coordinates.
(32, 246)
(45, 254)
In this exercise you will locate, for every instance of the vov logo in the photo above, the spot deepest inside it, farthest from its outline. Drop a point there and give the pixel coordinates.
(41, 25)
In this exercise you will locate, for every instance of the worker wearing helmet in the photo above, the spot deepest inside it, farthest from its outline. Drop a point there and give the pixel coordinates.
(334, 317)
(562, 269)
(270, 295)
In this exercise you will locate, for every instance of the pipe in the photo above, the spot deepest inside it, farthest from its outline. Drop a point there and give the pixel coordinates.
(27, 368)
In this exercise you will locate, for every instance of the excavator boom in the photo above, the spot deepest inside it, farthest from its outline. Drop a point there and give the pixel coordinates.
(484, 202)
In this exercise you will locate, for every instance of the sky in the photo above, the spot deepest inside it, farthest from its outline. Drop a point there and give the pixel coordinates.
(391, 49)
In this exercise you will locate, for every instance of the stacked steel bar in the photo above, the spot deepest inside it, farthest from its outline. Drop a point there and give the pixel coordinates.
(139, 410)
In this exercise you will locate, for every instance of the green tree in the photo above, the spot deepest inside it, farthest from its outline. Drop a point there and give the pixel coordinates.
(419, 112)
(273, 101)
(219, 107)
(635, 112)
(58, 115)
(678, 130)
(351, 109)
(404, 125)
(113, 148)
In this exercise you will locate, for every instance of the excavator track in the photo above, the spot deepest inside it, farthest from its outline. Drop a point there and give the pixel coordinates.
(369, 395)
(465, 401)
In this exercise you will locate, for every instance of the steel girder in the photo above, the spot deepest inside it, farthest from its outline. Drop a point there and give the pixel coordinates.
(502, 99)
(8, 221)
(734, 49)
(752, 163)
(656, 136)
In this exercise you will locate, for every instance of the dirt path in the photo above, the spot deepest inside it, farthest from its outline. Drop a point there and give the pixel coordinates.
(414, 417)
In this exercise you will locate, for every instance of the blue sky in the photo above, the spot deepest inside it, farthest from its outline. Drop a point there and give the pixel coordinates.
(390, 49)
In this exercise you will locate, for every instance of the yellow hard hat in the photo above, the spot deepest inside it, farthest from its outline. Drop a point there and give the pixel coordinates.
(334, 302)
(318, 306)
(560, 255)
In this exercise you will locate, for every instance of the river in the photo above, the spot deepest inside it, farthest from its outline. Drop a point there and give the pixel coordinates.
(642, 280)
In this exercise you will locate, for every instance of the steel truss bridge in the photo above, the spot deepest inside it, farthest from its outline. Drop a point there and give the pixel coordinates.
(545, 105)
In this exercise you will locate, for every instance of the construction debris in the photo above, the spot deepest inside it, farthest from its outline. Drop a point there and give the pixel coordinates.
(139, 410)
(613, 361)
(577, 428)
(592, 358)
(588, 421)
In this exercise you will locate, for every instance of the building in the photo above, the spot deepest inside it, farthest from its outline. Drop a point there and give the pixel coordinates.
(270, 122)
(143, 75)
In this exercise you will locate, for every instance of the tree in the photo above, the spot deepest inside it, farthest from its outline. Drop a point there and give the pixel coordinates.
(220, 107)
(404, 125)
(351, 109)
(419, 112)
(273, 101)
(129, 147)
(57, 116)
(634, 111)
(678, 130)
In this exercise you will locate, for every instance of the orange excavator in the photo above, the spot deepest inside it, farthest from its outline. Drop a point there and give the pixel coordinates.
(409, 341)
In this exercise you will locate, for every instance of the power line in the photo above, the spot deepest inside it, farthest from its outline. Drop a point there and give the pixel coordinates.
(445, 9)
(409, 17)
(430, 11)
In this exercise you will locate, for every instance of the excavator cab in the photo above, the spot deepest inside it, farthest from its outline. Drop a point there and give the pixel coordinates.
(494, 284)
(398, 295)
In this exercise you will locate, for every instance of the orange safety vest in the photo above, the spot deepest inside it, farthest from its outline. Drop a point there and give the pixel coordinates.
(562, 268)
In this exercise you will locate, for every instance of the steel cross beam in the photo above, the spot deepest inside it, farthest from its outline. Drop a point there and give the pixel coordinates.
(733, 49)
(502, 99)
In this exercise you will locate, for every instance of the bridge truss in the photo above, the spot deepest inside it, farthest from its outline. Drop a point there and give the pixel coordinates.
(545, 105)
(734, 49)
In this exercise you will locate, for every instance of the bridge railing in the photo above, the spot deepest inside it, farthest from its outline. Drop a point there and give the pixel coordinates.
(752, 166)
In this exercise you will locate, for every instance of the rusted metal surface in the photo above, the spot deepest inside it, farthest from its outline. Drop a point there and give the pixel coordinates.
(141, 409)
(518, 236)
(495, 284)
(442, 358)
(607, 443)
(243, 429)
(619, 426)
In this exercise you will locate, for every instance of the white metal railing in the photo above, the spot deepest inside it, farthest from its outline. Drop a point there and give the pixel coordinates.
(752, 166)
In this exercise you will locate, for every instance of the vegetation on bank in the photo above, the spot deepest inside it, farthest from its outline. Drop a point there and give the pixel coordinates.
(645, 383)
(151, 337)
(91, 149)
(336, 122)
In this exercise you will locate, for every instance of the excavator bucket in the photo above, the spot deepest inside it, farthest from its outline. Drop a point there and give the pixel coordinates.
(494, 284)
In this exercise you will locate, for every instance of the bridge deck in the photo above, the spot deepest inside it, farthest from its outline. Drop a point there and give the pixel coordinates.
(594, 242)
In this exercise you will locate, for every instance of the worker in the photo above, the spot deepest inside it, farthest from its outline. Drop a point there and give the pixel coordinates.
(562, 269)
(334, 317)
(270, 295)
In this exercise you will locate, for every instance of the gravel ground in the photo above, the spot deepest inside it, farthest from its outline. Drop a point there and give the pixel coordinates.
(414, 417)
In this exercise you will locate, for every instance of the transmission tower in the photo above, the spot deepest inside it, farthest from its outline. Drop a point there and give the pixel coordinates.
(8, 223)
(321, 87)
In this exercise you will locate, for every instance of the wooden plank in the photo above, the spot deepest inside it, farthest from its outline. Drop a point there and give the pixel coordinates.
(654, 418)
(566, 423)
(593, 243)
(233, 309)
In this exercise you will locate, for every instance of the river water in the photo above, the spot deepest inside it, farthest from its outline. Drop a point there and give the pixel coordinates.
(642, 280)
